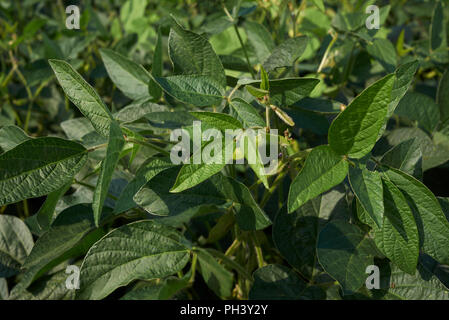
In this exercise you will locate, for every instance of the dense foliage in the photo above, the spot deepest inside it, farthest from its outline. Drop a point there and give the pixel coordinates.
(86, 132)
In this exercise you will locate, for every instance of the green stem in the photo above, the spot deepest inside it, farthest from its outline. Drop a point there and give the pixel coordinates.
(25, 84)
(104, 145)
(326, 53)
(244, 51)
(25, 208)
(230, 263)
(258, 249)
(273, 187)
(194, 259)
(233, 91)
(267, 117)
(28, 117)
(92, 187)
(149, 145)
(230, 251)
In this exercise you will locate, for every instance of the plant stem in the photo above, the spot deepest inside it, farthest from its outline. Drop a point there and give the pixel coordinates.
(258, 249)
(326, 53)
(97, 147)
(28, 91)
(233, 91)
(232, 247)
(92, 187)
(28, 116)
(273, 187)
(26, 211)
(149, 145)
(244, 51)
(194, 259)
(231, 263)
(267, 117)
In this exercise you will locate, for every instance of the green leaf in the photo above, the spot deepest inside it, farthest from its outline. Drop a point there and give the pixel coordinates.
(432, 224)
(192, 54)
(192, 174)
(145, 173)
(131, 78)
(63, 237)
(286, 53)
(284, 92)
(246, 113)
(226, 41)
(130, 13)
(311, 121)
(219, 121)
(77, 128)
(404, 75)
(383, 51)
(295, 235)
(406, 156)
(83, 96)
(398, 237)
(344, 252)
(61, 242)
(367, 187)
(115, 146)
(276, 282)
(16, 242)
(170, 120)
(421, 108)
(12, 136)
(256, 92)
(318, 105)
(156, 67)
(322, 170)
(234, 63)
(139, 250)
(38, 167)
(398, 285)
(216, 276)
(29, 31)
(51, 287)
(156, 198)
(138, 110)
(164, 290)
(354, 132)
(438, 35)
(4, 292)
(287, 91)
(443, 96)
(349, 21)
(46, 213)
(198, 90)
(264, 84)
(319, 4)
(260, 39)
(434, 152)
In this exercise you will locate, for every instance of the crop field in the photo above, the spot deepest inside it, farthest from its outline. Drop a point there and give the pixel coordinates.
(224, 150)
